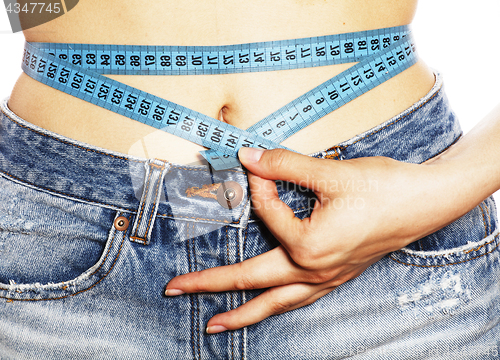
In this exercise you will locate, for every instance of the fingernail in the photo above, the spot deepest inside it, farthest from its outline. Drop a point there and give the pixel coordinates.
(215, 329)
(251, 155)
(173, 292)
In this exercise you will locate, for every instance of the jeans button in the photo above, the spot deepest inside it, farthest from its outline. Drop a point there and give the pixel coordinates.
(121, 223)
(229, 194)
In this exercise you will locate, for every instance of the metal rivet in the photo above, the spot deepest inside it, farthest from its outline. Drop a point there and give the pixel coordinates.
(229, 194)
(121, 223)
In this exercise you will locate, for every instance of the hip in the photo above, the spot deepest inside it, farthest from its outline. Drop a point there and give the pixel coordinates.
(90, 237)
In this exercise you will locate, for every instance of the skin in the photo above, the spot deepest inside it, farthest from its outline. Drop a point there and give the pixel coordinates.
(239, 99)
(312, 260)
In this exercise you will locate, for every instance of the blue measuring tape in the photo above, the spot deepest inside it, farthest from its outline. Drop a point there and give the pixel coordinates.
(205, 60)
(77, 69)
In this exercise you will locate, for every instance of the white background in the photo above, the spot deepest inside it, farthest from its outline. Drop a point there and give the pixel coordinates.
(460, 38)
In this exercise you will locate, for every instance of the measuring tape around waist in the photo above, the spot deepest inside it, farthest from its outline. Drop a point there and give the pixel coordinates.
(203, 60)
(58, 70)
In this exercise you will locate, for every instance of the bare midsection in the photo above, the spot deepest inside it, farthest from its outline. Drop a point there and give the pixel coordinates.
(239, 99)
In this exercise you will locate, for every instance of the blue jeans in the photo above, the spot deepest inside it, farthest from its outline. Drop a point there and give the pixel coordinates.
(89, 239)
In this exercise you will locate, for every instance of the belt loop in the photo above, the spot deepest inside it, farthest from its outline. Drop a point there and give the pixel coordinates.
(335, 153)
(153, 180)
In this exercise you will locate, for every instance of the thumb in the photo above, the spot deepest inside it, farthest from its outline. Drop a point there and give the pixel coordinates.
(280, 164)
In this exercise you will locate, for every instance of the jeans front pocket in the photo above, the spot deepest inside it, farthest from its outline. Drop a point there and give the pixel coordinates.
(51, 246)
(472, 236)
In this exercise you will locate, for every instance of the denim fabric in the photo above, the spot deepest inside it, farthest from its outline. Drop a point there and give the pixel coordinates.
(73, 285)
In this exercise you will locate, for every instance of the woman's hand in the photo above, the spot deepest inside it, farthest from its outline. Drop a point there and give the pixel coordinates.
(366, 208)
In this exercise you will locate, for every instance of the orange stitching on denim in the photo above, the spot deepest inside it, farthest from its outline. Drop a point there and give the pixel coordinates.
(197, 218)
(109, 250)
(227, 247)
(238, 248)
(206, 191)
(158, 183)
(138, 240)
(99, 268)
(243, 209)
(484, 220)
(157, 166)
(188, 248)
(69, 143)
(332, 156)
(197, 296)
(198, 324)
(145, 195)
(232, 333)
(487, 213)
(81, 291)
(335, 155)
(230, 293)
(60, 192)
(228, 262)
(401, 118)
(101, 203)
(206, 170)
(451, 253)
(241, 292)
(303, 207)
(242, 345)
(487, 210)
(196, 299)
(481, 246)
(191, 296)
(446, 148)
(244, 243)
(394, 122)
(194, 218)
(456, 263)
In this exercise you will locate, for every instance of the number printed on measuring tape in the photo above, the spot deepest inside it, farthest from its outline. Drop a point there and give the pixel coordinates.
(137, 104)
(197, 60)
(77, 74)
(328, 97)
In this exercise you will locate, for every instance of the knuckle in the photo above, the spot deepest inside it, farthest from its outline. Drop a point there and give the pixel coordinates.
(321, 277)
(340, 280)
(279, 306)
(307, 259)
(276, 159)
(243, 282)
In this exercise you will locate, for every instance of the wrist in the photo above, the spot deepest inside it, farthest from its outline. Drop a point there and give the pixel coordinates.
(461, 182)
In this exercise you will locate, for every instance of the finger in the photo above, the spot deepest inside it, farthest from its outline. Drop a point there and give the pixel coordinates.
(273, 301)
(280, 164)
(311, 299)
(278, 217)
(272, 268)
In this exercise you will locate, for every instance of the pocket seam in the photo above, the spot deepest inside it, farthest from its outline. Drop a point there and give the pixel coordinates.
(448, 254)
(484, 217)
(53, 192)
(64, 287)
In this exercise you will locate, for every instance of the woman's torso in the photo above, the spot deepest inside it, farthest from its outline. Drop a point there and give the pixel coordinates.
(239, 99)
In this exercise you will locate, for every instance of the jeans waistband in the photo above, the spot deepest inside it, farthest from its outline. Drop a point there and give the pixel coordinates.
(415, 135)
(53, 163)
